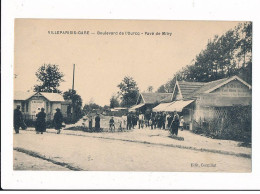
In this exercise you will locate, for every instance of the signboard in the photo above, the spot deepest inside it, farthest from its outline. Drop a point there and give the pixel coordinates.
(234, 89)
(36, 106)
(222, 101)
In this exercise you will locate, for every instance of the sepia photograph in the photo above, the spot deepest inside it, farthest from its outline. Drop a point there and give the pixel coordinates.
(132, 95)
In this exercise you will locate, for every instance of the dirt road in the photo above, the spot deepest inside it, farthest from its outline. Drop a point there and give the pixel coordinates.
(69, 152)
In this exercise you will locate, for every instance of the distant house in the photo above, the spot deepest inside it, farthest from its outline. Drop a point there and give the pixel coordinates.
(146, 101)
(32, 102)
(118, 111)
(203, 101)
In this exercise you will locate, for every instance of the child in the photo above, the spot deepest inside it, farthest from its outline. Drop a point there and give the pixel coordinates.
(112, 124)
(84, 121)
(124, 120)
(120, 123)
(181, 123)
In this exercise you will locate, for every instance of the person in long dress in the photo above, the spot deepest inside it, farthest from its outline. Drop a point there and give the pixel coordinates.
(97, 122)
(58, 119)
(18, 117)
(175, 124)
(129, 121)
(90, 122)
(41, 122)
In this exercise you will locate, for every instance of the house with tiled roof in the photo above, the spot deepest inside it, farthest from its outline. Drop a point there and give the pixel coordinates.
(207, 100)
(32, 102)
(146, 101)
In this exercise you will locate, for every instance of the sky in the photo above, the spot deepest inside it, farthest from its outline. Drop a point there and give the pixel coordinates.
(102, 61)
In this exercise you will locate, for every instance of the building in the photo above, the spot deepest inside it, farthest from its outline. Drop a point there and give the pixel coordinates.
(32, 102)
(118, 111)
(147, 101)
(199, 102)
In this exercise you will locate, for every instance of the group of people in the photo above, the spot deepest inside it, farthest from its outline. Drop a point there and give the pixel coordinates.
(40, 123)
(129, 121)
(170, 121)
(134, 119)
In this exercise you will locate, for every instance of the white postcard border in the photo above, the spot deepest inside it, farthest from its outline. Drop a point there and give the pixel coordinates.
(232, 10)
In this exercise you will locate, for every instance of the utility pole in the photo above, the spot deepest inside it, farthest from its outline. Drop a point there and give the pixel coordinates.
(72, 107)
(73, 76)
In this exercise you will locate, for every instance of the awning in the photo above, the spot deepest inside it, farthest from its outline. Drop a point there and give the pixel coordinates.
(161, 107)
(136, 107)
(178, 106)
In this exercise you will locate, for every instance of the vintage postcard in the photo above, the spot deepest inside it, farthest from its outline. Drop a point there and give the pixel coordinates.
(132, 95)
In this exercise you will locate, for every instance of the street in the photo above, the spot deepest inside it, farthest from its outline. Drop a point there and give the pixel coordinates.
(89, 152)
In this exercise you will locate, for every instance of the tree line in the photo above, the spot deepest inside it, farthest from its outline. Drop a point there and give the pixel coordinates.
(224, 56)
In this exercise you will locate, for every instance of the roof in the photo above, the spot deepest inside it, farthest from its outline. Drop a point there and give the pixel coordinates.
(193, 89)
(151, 98)
(167, 99)
(21, 95)
(209, 85)
(188, 88)
(227, 81)
(54, 97)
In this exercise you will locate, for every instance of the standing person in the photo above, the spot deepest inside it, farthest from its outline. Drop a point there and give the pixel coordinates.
(175, 124)
(97, 122)
(163, 120)
(41, 122)
(146, 121)
(129, 122)
(160, 120)
(84, 121)
(141, 121)
(112, 124)
(124, 122)
(90, 122)
(157, 118)
(57, 120)
(147, 118)
(18, 119)
(170, 118)
(153, 121)
(134, 120)
(120, 123)
(167, 120)
(181, 123)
